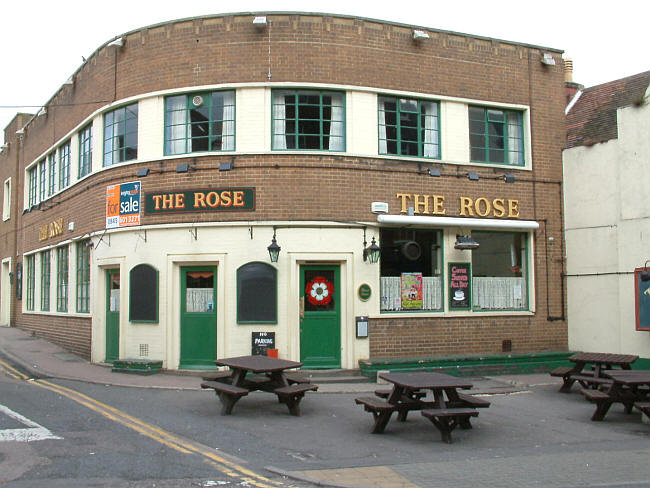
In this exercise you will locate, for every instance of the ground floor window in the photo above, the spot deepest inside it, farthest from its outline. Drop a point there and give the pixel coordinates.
(62, 279)
(45, 281)
(499, 271)
(29, 264)
(83, 277)
(410, 269)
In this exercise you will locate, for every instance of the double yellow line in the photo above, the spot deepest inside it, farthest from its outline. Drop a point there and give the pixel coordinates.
(168, 439)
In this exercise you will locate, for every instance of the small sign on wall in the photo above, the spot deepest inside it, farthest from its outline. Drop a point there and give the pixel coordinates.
(642, 301)
(362, 327)
(460, 289)
(261, 342)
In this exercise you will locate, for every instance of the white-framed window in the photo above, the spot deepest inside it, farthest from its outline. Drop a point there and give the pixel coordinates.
(6, 200)
(121, 135)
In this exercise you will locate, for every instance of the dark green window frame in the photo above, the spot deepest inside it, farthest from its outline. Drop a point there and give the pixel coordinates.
(62, 279)
(85, 151)
(64, 166)
(52, 174)
(200, 122)
(121, 135)
(45, 281)
(33, 186)
(308, 120)
(83, 277)
(31, 280)
(42, 180)
(257, 293)
(409, 127)
(496, 136)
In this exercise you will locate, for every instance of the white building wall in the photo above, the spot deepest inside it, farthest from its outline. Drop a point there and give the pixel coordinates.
(607, 221)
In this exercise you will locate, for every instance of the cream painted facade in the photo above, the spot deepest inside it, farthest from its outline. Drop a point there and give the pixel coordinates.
(607, 221)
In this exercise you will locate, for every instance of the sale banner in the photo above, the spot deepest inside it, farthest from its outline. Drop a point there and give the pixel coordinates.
(123, 205)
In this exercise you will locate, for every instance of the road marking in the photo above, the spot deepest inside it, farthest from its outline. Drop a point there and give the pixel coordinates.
(168, 439)
(34, 432)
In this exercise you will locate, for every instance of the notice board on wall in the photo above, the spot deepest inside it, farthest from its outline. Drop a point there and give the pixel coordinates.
(642, 301)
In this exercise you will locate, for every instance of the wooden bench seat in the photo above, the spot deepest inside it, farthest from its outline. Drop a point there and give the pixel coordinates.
(604, 400)
(381, 411)
(561, 371)
(473, 401)
(227, 393)
(385, 393)
(643, 407)
(296, 378)
(292, 394)
(446, 419)
(222, 376)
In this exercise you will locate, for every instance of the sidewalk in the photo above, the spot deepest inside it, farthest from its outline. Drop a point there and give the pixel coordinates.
(44, 359)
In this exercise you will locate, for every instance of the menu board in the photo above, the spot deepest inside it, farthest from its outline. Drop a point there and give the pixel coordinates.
(642, 301)
(460, 289)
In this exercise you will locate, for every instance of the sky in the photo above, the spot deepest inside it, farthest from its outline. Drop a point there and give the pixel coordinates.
(43, 42)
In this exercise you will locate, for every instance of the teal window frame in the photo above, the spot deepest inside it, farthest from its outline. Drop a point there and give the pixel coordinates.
(32, 198)
(523, 263)
(121, 135)
(403, 130)
(496, 136)
(31, 280)
(62, 279)
(52, 174)
(64, 166)
(45, 281)
(83, 277)
(85, 151)
(247, 298)
(200, 122)
(298, 120)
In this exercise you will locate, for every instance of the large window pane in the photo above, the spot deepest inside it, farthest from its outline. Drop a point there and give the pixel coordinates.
(499, 271)
(410, 269)
(409, 127)
(503, 131)
(121, 135)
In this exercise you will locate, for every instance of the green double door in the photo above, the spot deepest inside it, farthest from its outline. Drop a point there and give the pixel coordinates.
(320, 317)
(198, 324)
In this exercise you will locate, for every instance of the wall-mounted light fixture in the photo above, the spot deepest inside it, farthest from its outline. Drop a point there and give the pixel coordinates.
(372, 252)
(226, 165)
(119, 42)
(472, 176)
(42, 111)
(4, 146)
(143, 172)
(434, 172)
(465, 242)
(20, 131)
(547, 59)
(645, 274)
(259, 23)
(509, 178)
(419, 35)
(182, 168)
(274, 249)
(69, 81)
(11, 277)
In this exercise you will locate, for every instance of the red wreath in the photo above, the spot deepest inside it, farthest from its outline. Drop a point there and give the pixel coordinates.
(319, 291)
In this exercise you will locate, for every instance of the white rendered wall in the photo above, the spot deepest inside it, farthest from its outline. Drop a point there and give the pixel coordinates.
(607, 221)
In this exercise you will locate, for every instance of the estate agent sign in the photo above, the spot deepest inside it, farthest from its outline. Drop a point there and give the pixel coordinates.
(123, 205)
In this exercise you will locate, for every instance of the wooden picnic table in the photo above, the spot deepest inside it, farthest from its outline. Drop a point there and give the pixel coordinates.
(629, 387)
(251, 373)
(589, 368)
(447, 410)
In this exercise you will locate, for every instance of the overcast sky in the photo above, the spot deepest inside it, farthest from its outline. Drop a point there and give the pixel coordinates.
(42, 42)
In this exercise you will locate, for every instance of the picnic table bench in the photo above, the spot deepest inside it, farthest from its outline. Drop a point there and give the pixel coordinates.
(631, 388)
(589, 369)
(447, 420)
(227, 393)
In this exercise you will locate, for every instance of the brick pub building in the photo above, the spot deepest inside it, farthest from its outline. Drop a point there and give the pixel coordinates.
(410, 177)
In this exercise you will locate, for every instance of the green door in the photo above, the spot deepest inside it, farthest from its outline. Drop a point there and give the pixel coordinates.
(112, 315)
(198, 317)
(320, 317)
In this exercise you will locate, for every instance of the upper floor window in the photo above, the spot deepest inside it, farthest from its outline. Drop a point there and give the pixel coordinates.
(409, 127)
(308, 119)
(52, 174)
(42, 180)
(200, 122)
(496, 136)
(6, 200)
(64, 166)
(121, 135)
(85, 151)
(33, 186)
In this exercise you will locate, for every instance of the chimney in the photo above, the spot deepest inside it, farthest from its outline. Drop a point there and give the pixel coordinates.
(570, 88)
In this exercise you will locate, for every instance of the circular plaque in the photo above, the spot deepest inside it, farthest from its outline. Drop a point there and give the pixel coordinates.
(364, 292)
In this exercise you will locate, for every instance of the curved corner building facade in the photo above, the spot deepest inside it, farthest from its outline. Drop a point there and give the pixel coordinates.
(142, 202)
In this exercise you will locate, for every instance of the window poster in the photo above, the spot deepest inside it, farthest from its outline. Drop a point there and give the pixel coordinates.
(642, 301)
(411, 290)
(460, 291)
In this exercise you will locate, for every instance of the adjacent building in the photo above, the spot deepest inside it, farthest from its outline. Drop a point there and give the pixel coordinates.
(607, 218)
(333, 187)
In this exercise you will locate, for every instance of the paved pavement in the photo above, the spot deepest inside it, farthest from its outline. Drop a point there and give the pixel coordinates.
(531, 436)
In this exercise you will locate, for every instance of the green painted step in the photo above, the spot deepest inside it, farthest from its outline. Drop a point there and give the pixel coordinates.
(136, 366)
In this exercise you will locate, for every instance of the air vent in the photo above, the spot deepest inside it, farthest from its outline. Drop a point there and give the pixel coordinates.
(144, 350)
(197, 101)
